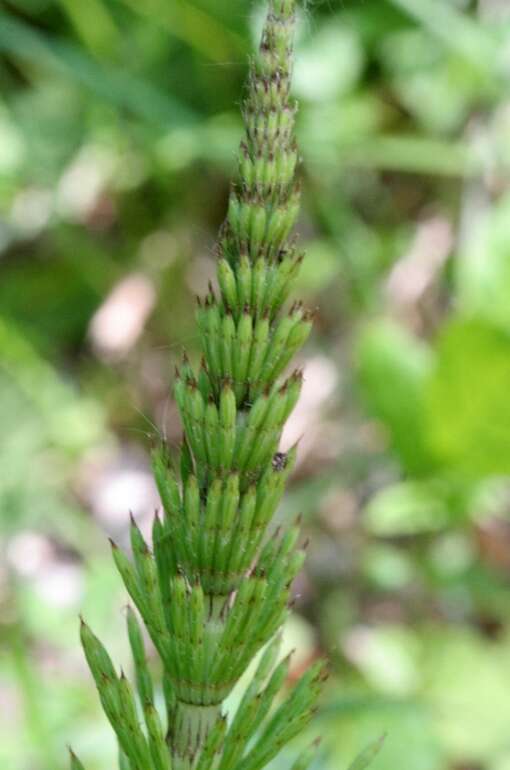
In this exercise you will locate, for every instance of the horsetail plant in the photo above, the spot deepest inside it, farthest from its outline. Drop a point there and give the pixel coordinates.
(215, 588)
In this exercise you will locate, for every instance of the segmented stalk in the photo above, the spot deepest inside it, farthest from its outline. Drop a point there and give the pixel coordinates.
(215, 588)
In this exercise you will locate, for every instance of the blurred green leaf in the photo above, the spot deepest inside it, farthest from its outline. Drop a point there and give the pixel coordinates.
(329, 64)
(467, 692)
(482, 267)
(94, 24)
(408, 508)
(467, 404)
(439, 87)
(455, 30)
(388, 657)
(125, 90)
(388, 567)
(72, 423)
(194, 25)
(414, 154)
(351, 723)
(392, 369)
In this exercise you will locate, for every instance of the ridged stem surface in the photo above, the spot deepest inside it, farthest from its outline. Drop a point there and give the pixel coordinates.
(234, 410)
(215, 589)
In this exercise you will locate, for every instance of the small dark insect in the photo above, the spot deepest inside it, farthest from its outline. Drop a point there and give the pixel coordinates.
(279, 461)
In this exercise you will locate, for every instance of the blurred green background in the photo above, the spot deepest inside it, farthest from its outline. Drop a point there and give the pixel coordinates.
(119, 124)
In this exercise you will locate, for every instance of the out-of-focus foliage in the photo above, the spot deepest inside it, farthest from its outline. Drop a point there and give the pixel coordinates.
(118, 129)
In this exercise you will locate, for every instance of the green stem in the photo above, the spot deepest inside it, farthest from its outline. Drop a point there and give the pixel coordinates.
(192, 725)
(217, 588)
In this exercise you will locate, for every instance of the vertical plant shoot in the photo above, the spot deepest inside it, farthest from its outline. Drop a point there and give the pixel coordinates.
(215, 587)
